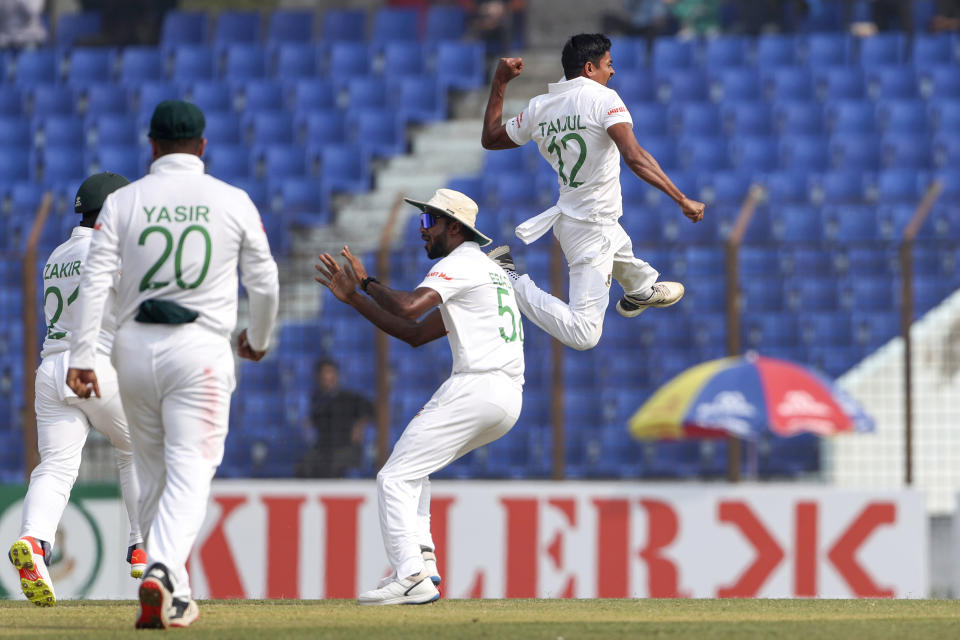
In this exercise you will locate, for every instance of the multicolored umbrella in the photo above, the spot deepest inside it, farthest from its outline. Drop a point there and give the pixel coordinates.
(748, 396)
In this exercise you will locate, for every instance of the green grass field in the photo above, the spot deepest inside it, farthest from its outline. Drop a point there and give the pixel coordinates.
(496, 619)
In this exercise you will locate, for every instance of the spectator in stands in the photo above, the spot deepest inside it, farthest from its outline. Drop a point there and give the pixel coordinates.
(338, 417)
(499, 23)
(644, 18)
(21, 24)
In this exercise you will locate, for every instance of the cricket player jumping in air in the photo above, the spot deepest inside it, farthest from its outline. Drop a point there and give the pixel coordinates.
(180, 235)
(63, 419)
(582, 129)
(470, 300)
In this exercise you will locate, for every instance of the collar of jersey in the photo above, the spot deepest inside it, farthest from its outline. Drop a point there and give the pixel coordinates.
(566, 85)
(177, 163)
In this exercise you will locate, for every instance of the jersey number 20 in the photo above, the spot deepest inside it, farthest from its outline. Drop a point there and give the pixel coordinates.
(148, 283)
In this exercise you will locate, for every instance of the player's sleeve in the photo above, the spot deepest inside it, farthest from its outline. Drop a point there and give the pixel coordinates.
(258, 272)
(520, 127)
(448, 278)
(99, 270)
(614, 111)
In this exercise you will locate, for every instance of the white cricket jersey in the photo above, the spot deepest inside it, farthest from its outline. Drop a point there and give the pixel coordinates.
(479, 312)
(61, 291)
(569, 124)
(180, 235)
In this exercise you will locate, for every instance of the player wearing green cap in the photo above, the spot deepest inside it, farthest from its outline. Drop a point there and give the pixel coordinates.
(63, 419)
(180, 235)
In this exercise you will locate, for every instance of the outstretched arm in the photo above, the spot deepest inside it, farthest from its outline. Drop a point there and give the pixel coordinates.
(342, 283)
(646, 167)
(407, 304)
(494, 134)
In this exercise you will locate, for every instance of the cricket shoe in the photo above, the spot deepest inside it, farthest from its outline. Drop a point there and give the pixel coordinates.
(137, 558)
(663, 294)
(430, 566)
(156, 598)
(501, 255)
(28, 555)
(417, 589)
(183, 613)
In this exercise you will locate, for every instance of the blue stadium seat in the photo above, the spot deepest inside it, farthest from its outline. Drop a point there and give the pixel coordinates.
(15, 132)
(321, 126)
(737, 83)
(113, 129)
(312, 94)
(394, 24)
(192, 62)
(50, 99)
(14, 163)
(717, 187)
(183, 28)
(349, 59)
(944, 115)
(754, 153)
(73, 27)
(223, 127)
(211, 95)
(462, 65)
(58, 130)
(261, 94)
(673, 459)
(290, 61)
(932, 49)
(300, 195)
(825, 49)
(681, 85)
(703, 152)
(367, 92)
(840, 83)
(798, 117)
(256, 189)
(725, 52)
(236, 26)
(775, 50)
(841, 185)
(890, 82)
(868, 294)
(852, 224)
(893, 218)
(697, 118)
(11, 101)
(421, 100)
(128, 161)
(104, 98)
(671, 53)
(946, 151)
(344, 168)
(826, 328)
(883, 49)
(344, 25)
(150, 94)
(290, 25)
(873, 329)
(799, 224)
(857, 262)
(227, 161)
(445, 22)
(746, 119)
(854, 151)
(802, 258)
(634, 86)
(906, 151)
(378, 132)
(771, 329)
(759, 261)
(940, 82)
(244, 61)
(141, 64)
(649, 119)
(58, 164)
(403, 58)
(36, 66)
(789, 83)
(704, 261)
(707, 295)
(90, 65)
(786, 186)
(762, 294)
(803, 153)
(791, 456)
(276, 161)
(269, 127)
(850, 116)
(902, 116)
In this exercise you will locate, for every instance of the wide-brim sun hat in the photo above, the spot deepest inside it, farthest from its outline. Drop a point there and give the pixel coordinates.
(453, 204)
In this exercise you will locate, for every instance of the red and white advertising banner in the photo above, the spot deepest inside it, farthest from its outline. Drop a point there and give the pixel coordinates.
(321, 539)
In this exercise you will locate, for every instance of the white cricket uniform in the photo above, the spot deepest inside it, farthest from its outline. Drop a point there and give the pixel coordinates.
(180, 235)
(569, 124)
(477, 404)
(63, 419)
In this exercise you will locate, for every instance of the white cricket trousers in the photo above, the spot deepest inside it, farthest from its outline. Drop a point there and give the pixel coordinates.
(595, 253)
(63, 422)
(468, 411)
(175, 381)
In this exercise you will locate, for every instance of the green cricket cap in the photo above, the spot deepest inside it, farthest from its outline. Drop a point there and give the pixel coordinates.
(95, 189)
(176, 120)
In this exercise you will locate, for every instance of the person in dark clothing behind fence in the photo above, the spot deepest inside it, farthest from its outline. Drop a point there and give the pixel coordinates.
(338, 417)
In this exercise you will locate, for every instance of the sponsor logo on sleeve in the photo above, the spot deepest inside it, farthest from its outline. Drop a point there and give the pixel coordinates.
(616, 110)
(439, 274)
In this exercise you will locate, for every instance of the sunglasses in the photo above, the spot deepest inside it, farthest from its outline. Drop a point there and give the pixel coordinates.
(427, 220)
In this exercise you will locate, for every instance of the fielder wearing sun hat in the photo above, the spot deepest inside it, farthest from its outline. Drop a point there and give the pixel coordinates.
(176, 120)
(95, 189)
(453, 204)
